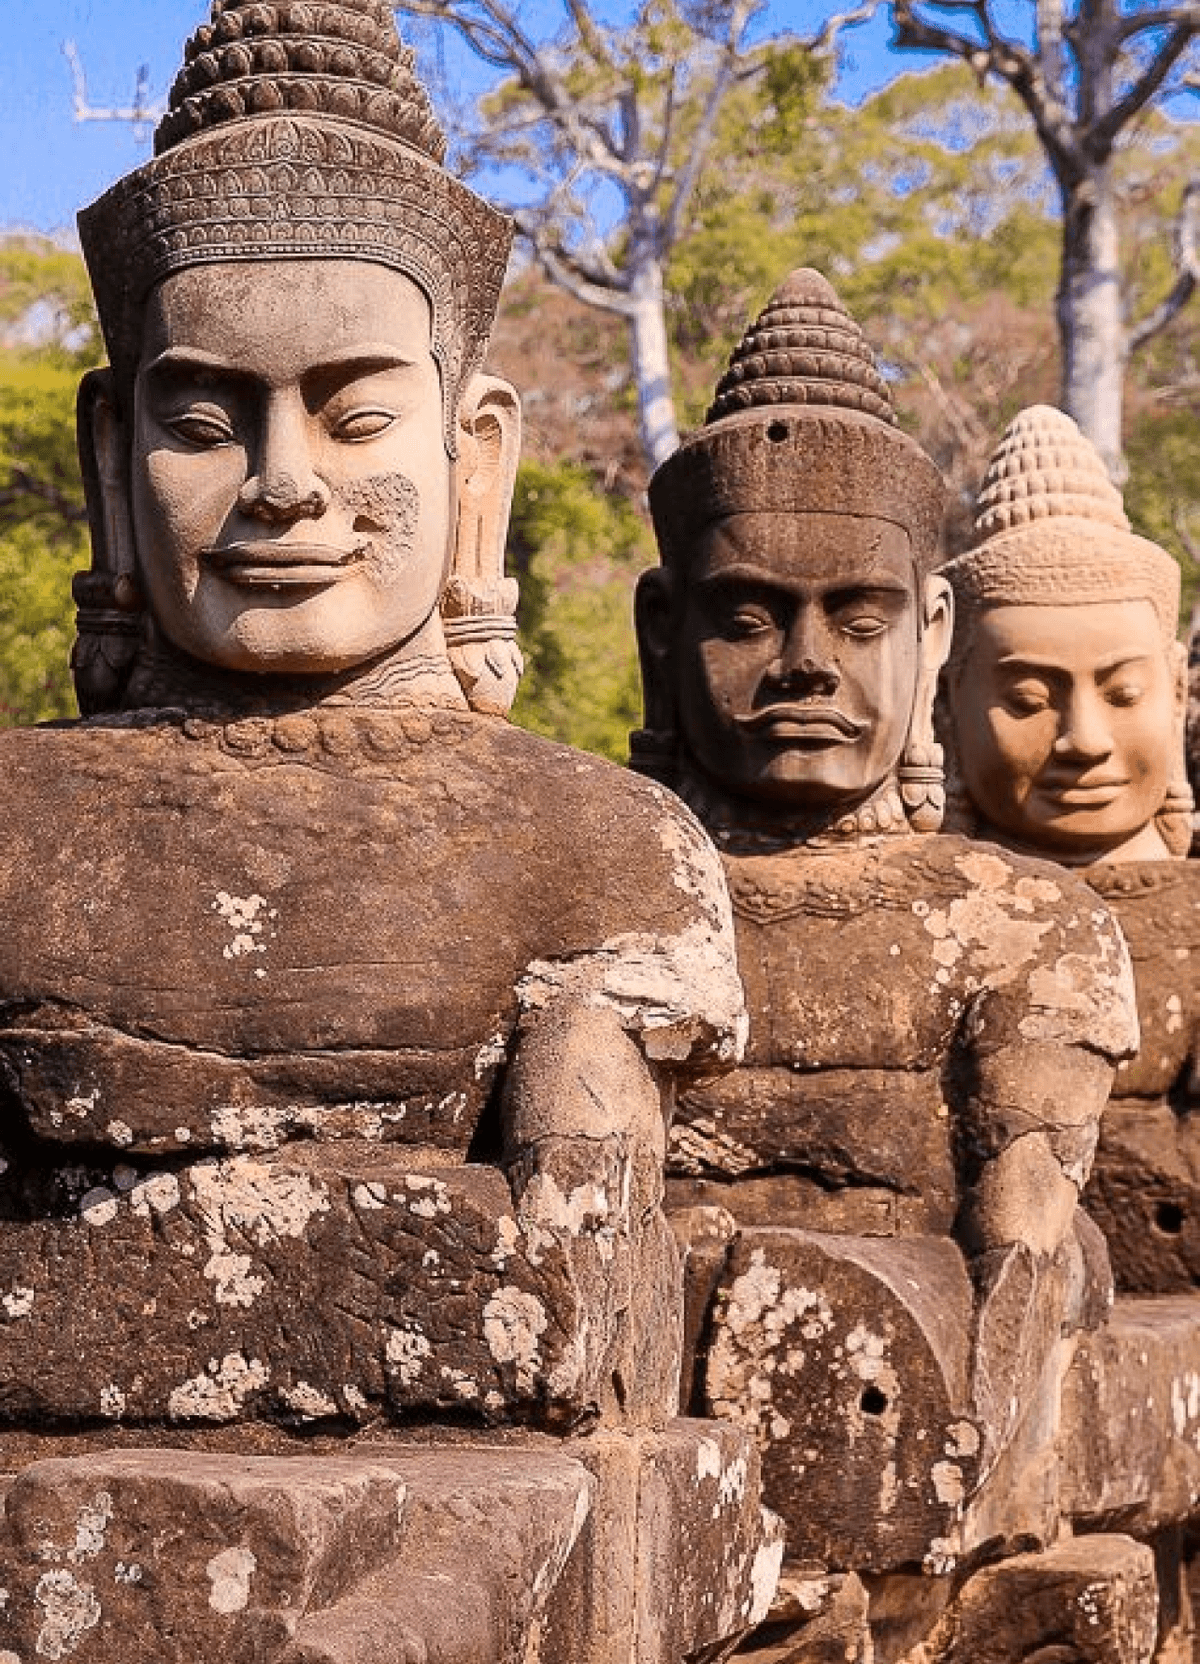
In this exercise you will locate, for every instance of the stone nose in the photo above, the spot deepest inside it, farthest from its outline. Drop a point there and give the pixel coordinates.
(285, 485)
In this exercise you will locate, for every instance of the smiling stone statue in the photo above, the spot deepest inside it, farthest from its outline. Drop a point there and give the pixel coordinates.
(1066, 698)
(339, 1020)
(881, 1204)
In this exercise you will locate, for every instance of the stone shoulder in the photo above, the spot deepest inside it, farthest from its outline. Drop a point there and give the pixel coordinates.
(1041, 942)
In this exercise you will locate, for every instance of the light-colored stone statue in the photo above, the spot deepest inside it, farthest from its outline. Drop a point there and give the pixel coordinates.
(1065, 702)
(1066, 698)
(339, 1020)
(886, 1252)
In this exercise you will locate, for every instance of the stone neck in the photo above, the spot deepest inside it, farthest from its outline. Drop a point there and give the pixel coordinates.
(740, 826)
(1146, 844)
(166, 677)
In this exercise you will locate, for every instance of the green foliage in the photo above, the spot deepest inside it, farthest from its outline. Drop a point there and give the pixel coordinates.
(37, 623)
(577, 552)
(48, 336)
(1162, 496)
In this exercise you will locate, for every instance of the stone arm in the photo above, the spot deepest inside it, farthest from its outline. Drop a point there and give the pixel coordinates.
(1039, 1071)
(604, 1039)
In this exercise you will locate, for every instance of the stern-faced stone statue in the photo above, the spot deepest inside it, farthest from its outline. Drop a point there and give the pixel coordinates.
(881, 1204)
(339, 1020)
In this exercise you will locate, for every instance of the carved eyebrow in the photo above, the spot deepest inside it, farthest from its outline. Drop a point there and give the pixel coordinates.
(363, 360)
(1119, 660)
(838, 592)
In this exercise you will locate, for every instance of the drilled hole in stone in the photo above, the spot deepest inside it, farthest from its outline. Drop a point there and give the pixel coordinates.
(873, 1402)
(1168, 1217)
(777, 432)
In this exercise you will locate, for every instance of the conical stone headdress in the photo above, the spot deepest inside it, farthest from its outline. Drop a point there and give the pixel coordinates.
(298, 130)
(802, 421)
(1051, 530)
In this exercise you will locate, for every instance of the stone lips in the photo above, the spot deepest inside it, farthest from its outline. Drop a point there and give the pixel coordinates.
(802, 422)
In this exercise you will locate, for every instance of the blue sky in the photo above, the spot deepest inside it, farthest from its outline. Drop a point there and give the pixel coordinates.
(52, 165)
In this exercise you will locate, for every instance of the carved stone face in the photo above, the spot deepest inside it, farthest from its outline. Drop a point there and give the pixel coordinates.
(291, 492)
(1064, 719)
(797, 655)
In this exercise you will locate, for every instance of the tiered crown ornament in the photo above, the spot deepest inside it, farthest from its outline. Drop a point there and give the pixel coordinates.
(297, 130)
(1051, 530)
(802, 422)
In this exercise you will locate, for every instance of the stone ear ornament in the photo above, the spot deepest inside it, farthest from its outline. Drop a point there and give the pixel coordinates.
(109, 607)
(479, 604)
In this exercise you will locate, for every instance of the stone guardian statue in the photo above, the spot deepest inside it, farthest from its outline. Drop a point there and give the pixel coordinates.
(340, 1021)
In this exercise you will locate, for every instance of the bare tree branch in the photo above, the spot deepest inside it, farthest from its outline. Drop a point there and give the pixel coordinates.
(1187, 270)
(141, 113)
(1103, 134)
(998, 55)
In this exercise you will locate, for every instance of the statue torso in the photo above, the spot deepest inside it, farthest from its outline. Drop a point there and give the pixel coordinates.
(873, 976)
(218, 936)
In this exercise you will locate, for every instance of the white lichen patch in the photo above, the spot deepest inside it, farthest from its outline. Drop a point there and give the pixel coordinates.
(1185, 1401)
(120, 1133)
(679, 995)
(80, 1107)
(369, 1197)
(255, 1200)
(127, 1573)
(513, 1323)
(251, 1126)
(248, 918)
(112, 1402)
(508, 1238)
(158, 1193)
(758, 1339)
(1174, 1013)
(427, 1197)
(220, 1393)
(90, 1528)
(948, 1484)
(19, 1303)
(490, 1055)
(764, 1580)
(308, 1402)
(990, 926)
(406, 1350)
(230, 1573)
(234, 1283)
(460, 1383)
(98, 1207)
(70, 1608)
(1086, 997)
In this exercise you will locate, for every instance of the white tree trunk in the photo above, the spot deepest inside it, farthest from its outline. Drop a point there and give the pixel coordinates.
(1091, 321)
(652, 365)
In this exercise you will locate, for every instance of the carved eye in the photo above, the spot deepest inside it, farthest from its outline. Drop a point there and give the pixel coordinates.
(1124, 693)
(363, 424)
(1027, 698)
(203, 428)
(862, 626)
(748, 620)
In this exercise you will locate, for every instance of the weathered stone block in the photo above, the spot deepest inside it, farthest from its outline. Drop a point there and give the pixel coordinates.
(169, 1557)
(1091, 1600)
(846, 1357)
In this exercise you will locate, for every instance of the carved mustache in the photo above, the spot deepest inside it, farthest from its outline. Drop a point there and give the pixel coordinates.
(804, 716)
